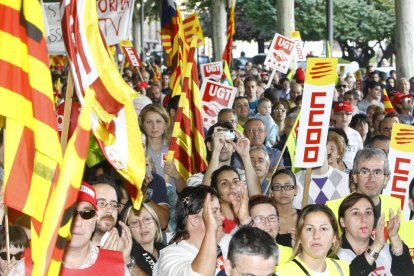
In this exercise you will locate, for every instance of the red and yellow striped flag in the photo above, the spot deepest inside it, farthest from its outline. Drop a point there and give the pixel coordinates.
(33, 154)
(187, 146)
(387, 103)
(172, 34)
(231, 29)
(192, 27)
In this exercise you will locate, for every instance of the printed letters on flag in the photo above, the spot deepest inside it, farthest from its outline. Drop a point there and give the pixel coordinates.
(315, 112)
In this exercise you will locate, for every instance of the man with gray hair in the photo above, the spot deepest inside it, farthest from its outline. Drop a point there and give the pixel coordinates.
(261, 164)
(370, 174)
(251, 252)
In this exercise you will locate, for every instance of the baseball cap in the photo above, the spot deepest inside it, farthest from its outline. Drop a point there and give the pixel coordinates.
(398, 97)
(343, 106)
(87, 193)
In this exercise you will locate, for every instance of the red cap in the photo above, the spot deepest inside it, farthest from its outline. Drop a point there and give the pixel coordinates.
(343, 106)
(398, 97)
(300, 75)
(264, 73)
(87, 193)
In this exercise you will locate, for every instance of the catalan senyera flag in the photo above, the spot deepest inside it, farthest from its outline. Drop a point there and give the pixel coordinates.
(187, 146)
(33, 154)
(55, 230)
(172, 36)
(231, 29)
(387, 103)
(192, 27)
(114, 120)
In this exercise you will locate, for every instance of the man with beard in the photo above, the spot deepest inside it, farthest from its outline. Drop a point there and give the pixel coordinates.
(107, 201)
(222, 142)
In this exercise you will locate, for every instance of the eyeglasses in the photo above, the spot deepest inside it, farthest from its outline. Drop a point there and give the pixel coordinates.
(144, 221)
(102, 203)
(262, 219)
(18, 256)
(375, 173)
(279, 110)
(342, 86)
(283, 187)
(86, 214)
(254, 130)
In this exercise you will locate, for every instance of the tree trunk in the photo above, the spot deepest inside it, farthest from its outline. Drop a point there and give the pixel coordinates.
(219, 24)
(285, 17)
(404, 20)
(137, 35)
(260, 45)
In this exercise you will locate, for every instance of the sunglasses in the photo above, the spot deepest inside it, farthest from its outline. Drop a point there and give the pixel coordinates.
(87, 214)
(17, 257)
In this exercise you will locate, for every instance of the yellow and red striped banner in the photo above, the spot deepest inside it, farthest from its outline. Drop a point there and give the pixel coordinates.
(192, 27)
(231, 29)
(33, 153)
(387, 103)
(187, 146)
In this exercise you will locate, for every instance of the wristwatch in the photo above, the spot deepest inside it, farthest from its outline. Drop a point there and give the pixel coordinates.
(131, 263)
(372, 253)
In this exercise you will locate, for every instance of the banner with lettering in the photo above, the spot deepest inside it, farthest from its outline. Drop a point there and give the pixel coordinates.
(315, 112)
(114, 21)
(213, 70)
(53, 28)
(300, 52)
(215, 96)
(401, 161)
(280, 53)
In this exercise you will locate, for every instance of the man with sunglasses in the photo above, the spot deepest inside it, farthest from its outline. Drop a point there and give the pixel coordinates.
(80, 256)
(106, 234)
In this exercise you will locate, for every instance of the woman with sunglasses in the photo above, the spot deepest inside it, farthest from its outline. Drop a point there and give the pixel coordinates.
(147, 236)
(364, 254)
(316, 242)
(283, 186)
(80, 256)
(18, 242)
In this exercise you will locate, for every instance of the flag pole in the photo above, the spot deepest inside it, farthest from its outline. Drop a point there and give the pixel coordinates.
(66, 113)
(6, 221)
(306, 187)
(269, 82)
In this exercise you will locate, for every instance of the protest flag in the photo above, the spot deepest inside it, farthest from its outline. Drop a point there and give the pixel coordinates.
(172, 36)
(226, 76)
(55, 230)
(192, 27)
(231, 29)
(387, 103)
(114, 121)
(187, 146)
(33, 154)
(291, 142)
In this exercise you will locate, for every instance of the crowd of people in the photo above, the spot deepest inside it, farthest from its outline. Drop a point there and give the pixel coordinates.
(243, 215)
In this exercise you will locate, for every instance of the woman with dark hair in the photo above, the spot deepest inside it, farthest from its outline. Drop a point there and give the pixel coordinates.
(193, 248)
(360, 123)
(18, 242)
(284, 190)
(226, 180)
(279, 113)
(364, 254)
(317, 240)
